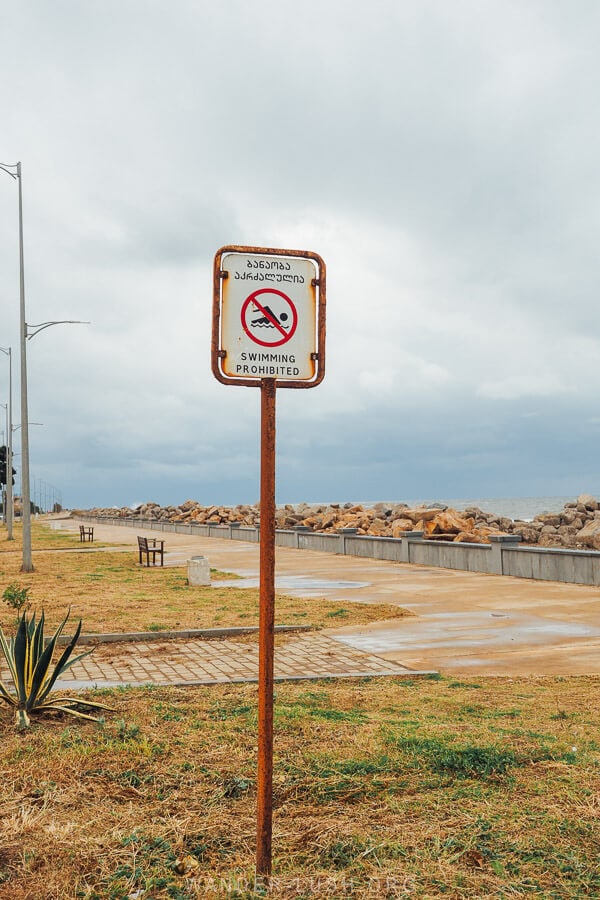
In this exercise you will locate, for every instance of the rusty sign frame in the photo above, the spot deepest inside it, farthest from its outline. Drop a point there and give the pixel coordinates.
(318, 286)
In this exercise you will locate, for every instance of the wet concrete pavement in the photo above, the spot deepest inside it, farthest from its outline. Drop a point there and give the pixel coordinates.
(464, 623)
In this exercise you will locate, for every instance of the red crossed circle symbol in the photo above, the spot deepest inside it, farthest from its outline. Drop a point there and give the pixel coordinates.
(271, 318)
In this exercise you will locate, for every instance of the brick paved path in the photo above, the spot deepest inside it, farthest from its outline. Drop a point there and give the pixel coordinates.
(306, 656)
(185, 660)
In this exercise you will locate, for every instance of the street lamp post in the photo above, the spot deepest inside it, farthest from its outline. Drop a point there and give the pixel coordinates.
(8, 512)
(27, 565)
(26, 335)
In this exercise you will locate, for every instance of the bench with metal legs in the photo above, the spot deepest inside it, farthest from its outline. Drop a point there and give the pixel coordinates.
(150, 548)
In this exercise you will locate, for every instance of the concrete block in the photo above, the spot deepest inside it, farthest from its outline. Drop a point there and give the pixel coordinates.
(498, 543)
(408, 538)
(198, 570)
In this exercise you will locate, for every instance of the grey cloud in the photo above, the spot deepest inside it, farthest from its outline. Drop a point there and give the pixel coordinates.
(442, 157)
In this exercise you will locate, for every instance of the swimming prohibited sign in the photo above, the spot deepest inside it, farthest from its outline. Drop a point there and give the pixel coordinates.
(268, 332)
(268, 316)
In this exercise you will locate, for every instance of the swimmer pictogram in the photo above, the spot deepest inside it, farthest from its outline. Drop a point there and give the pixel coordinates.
(270, 320)
(269, 317)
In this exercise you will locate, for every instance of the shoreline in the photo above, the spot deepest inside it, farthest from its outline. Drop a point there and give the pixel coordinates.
(575, 526)
(516, 508)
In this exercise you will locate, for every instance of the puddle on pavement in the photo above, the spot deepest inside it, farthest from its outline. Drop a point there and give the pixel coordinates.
(301, 584)
(466, 630)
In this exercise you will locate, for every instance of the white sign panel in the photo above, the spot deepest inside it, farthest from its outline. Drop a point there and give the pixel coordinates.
(268, 317)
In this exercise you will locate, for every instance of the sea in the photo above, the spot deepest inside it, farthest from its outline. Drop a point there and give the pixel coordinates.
(524, 508)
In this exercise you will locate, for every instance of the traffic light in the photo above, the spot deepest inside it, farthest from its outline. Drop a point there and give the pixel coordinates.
(4, 467)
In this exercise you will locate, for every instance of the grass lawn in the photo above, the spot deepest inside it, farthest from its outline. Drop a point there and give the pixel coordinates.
(43, 537)
(386, 788)
(382, 788)
(111, 592)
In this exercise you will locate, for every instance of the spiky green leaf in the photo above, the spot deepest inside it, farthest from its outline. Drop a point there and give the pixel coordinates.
(20, 651)
(71, 712)
(40, 676)
(8, 651)
(62, 664)
(78, 701)
(7, 696)
(38, 639)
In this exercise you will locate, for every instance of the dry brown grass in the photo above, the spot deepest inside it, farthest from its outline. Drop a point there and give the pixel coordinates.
(384, 788)
(434, 788)
(112, 593)
(43, 537)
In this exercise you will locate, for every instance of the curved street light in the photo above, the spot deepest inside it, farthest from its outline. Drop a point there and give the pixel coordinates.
(37, 328)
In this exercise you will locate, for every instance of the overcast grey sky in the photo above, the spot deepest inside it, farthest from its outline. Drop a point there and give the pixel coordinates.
(441, 155)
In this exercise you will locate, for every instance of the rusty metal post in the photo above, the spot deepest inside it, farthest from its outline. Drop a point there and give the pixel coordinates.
(231, 334)
(264, 809)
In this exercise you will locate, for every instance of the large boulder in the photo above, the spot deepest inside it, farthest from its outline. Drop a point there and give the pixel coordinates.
(551, 540)
(451, 522)
(589, 535)
(378, 527)
(401, 525)
(588, 501)
(480, 535)
(467, 537)
(570, 516)
(528, 535)
(421, 514)
(548, 519)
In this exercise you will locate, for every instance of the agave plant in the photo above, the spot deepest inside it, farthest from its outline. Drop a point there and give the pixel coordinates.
(29, 660)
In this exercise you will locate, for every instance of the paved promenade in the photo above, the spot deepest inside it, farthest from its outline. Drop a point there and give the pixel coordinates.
(465, 623)
(307, 656)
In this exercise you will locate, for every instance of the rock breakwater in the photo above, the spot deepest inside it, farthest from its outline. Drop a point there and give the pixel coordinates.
(576, 526)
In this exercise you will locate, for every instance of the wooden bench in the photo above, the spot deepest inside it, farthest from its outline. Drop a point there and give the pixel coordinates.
(151, 547)
(86, 534)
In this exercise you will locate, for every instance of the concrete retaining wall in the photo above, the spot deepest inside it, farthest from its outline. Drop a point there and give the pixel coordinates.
(468, 557)
(503, 556)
